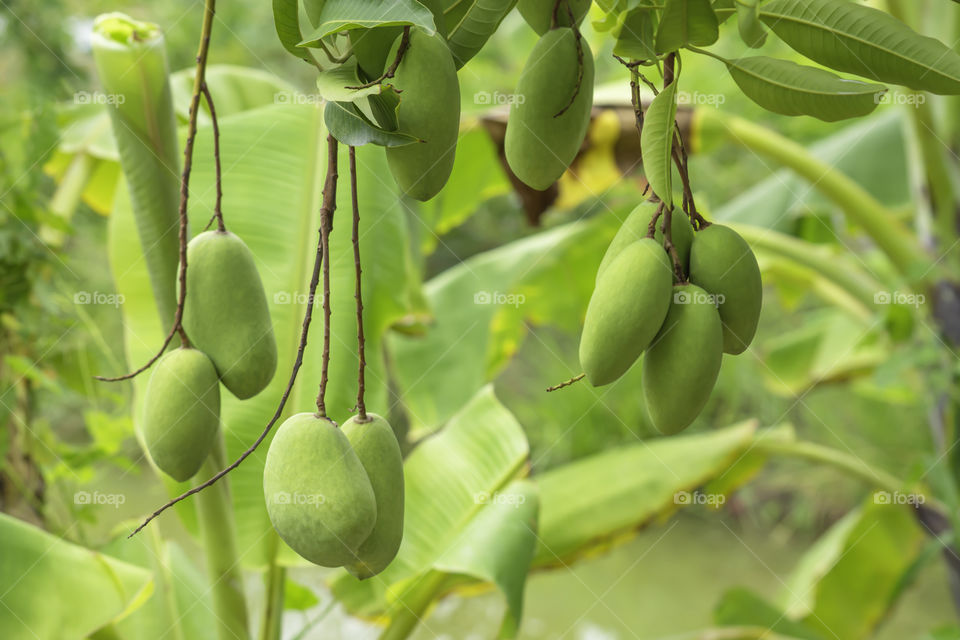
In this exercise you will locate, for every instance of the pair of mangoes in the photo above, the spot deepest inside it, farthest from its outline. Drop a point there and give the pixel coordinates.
(335, 495)
(226, 319)
(550, 112)
(683, 328)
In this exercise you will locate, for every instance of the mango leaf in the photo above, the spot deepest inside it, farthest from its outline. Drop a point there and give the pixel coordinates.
(333, 84)
(742, 607)
(635, 40)
(351, 127)
(343, 15)
(656, 142)
(286, 20)
(53, 589)
(847, 582)
(273, 161)
(850, 37)
(468, 35)
(457, 500)
(791, 89)
(724, 9)
(686, 22)
(749, 25)
(588, 502)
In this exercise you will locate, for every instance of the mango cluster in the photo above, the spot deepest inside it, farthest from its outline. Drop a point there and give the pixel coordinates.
(683, 327)
(335, 495)
(227, 322)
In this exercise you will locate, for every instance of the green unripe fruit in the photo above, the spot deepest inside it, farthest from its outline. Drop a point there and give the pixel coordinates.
(318, 496)
(226, 314)
(540, 145)
(371, 47)
(635, 228)
(682, 364)
(181, 412)
(722, 263)
(430, 110)
(626, 310)
(539, 13)
(376, 446)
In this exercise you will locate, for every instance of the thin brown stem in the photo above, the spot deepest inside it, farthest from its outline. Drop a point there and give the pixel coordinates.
(326, 225)
(198, 84)
(217, 207)
(579, 40)
(567, 383)
(392, 69)
(358, 294)
(329, 204)
(652, 227)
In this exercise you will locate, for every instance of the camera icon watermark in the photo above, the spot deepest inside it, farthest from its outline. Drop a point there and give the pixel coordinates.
(696, 297)
(685, 498)
(98, 298)
(510, 499)
(497, 98)
(97, 498)
(498, 298)
(96, 97)
(899, 297)
(898, 497)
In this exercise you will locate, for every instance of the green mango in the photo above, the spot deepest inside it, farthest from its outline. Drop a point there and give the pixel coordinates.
(539, 146)
(376, 446)
(181, 412)
(682, 364)
(226, 314)
(430, 110)
(635, 228)
(626, 310)
(318, 496)
(371, 47)
(539, 13)
(722, 263)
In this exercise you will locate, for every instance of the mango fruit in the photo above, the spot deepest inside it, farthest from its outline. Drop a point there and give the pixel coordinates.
(225, 313)
(429, 110)
(681, 366)
(181, 412)
(635, 228)
(722, 263)
(318, 496)
(626, 310)
(371, 47)
(539, 13)
(376, 446)
(539, 145)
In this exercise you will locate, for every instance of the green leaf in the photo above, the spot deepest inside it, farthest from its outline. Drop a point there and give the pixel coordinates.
(458, 494)
(475, 27)
(593, 500)
(286, 20)
(791, 89)
(343, 15)
(333, 84)
(635, 39)
(53, 589)
(742, 607)
(749, 25)
(656, 142)
(351, 127)
(686, 22)
(850, 37)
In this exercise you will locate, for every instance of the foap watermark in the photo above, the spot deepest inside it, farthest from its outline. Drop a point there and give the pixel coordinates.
(293, 297)
(900, 99)
(512, 499)
(96, 97)
(702, 99)
(97, 498)
(96, 297)
(496, 98)
(898, 497)
(696, 497)
(311, 499)
(295, 97)
(899, 297)
(498, 298)
(697, 297)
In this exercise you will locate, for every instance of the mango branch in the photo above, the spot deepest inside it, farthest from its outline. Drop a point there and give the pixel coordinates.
(328, 206)
(358, 294)
(326, 225)
(199, 86)
(217, 207)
